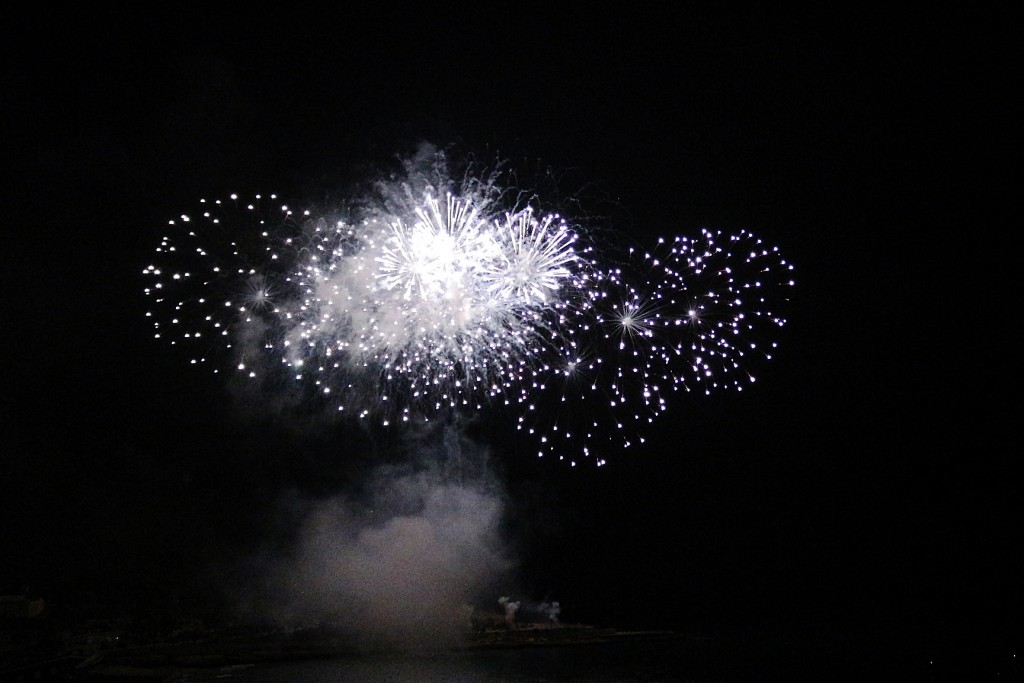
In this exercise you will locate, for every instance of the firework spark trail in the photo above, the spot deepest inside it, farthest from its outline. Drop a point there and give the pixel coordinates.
(447, 303)
(700, 317)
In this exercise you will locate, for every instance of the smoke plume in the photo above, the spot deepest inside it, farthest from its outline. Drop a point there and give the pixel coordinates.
(400, 560)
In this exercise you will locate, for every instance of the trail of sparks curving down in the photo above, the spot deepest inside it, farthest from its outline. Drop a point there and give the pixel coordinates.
(453, 305)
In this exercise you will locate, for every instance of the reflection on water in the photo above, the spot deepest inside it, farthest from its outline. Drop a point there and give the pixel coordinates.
(677, 658)
(638, 661)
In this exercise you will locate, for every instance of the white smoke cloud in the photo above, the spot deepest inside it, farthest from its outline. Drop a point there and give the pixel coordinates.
(400, 563)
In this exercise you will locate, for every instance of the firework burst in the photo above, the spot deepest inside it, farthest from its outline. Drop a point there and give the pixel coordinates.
(443, 302)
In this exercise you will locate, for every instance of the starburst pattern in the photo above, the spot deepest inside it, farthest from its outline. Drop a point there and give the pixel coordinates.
(453, 305)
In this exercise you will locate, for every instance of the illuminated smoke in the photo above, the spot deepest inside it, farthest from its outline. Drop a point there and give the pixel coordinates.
(511, 607)
(398, 565)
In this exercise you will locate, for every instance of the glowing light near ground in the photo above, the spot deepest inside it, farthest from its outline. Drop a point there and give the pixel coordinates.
(452, 304)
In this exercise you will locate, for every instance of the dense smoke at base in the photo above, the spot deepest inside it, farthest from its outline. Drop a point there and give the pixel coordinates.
(400, 560)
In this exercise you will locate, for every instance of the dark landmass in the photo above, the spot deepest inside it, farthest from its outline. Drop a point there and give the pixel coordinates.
(107, 651)
(559, 635)
(103, 651)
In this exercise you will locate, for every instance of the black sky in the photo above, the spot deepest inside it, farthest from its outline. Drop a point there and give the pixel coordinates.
(867, 486)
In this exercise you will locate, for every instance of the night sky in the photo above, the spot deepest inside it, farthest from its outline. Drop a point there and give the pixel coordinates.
(866, 490)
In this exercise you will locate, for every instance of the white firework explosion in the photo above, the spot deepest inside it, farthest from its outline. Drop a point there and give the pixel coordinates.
(449, 304)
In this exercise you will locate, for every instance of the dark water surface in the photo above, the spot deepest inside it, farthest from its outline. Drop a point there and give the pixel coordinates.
(632, 661)
(658, 661)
